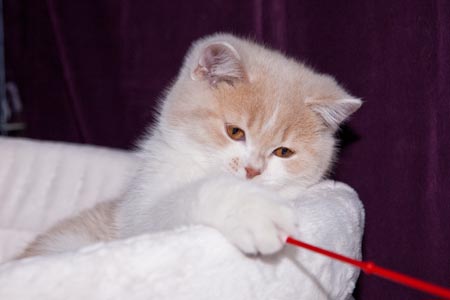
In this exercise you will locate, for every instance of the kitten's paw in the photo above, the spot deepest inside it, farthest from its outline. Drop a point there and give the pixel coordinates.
(259, 225)
(253, 220)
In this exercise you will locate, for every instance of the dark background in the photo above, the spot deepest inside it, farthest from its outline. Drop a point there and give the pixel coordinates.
(90, 71)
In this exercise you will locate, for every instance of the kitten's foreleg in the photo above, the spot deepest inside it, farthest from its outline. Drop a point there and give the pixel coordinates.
(253, 218)
(90, 226)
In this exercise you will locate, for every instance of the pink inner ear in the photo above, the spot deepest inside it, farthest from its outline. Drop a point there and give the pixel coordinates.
(219, 62)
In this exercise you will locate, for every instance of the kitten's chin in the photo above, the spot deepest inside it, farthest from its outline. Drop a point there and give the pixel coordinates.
(286, 191)
(291, 192)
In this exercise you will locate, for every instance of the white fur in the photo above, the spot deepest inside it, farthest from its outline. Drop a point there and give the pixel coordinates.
(273, 119)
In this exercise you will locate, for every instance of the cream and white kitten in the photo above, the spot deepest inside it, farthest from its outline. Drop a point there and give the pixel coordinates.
(242, 131)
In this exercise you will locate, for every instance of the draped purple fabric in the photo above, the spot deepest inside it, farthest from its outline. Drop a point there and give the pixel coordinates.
(92, 71)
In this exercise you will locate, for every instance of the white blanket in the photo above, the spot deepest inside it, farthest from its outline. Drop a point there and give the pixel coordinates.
(41, 183)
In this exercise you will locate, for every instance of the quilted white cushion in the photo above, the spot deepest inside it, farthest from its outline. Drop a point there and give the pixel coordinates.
(43, 182)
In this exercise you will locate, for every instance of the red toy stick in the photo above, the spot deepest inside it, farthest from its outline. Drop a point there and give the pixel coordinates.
(371, 268)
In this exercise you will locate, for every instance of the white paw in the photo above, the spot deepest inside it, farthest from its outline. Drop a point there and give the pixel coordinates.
(252, 219)
(259, 225)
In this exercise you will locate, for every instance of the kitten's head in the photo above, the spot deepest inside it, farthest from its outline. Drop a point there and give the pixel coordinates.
(241, 108)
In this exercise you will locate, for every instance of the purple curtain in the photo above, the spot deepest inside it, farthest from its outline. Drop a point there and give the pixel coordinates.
(91, 72)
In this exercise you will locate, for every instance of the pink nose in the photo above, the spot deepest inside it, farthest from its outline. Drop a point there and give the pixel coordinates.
(252, 172)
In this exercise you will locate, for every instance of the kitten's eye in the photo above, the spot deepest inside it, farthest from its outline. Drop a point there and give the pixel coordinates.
(283, 152)
(235, 133)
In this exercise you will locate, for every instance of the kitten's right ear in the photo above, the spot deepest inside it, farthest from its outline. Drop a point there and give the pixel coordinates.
(219, 61)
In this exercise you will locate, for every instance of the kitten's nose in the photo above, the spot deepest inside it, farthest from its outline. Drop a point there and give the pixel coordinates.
(252, 172)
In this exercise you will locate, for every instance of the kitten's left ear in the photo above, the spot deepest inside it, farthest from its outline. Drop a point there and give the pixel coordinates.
(219, 61)
(334, 111)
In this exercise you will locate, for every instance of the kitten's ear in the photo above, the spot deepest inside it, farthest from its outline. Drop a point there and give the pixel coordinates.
(334, 111)
(219, 62)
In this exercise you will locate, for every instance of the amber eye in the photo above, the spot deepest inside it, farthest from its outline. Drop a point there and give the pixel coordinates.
(283, 152)
(235, 133)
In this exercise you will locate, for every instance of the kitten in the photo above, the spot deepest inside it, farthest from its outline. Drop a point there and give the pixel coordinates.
(240, 133)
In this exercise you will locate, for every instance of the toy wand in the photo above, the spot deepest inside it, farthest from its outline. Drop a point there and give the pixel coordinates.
(371, 268)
